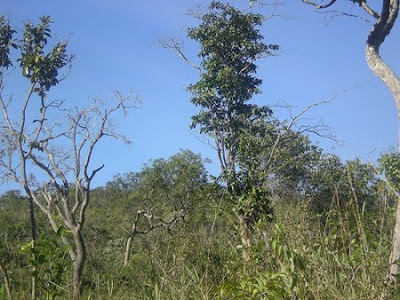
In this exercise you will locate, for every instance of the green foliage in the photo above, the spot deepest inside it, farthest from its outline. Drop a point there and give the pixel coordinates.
(180, 173)
(296, 257)
(163, 263)
(304, 259)
(40, 67)
(14, 231)
(50, 264)
(167, 184)
(390, 164)
(52, 267)
(286, 282)
(274, 161)
(230, 43)
(330, 183)
(254, 205)
(269, 285)
(6, 41)
(330, 239)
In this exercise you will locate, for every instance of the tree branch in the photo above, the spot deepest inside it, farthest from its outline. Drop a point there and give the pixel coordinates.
(369, 10)
(318, 6)
(150, 218)
(176, 47)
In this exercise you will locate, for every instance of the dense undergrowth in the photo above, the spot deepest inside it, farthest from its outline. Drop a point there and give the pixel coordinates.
(339, 254)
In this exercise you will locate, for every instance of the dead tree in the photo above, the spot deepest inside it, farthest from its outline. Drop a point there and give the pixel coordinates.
(152, 222)
(62, 153)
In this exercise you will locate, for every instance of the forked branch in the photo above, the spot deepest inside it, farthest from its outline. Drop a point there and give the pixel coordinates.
(362, 4)
(153, 222)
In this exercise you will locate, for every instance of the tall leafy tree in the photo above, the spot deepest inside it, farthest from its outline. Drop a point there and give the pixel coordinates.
(230, 44)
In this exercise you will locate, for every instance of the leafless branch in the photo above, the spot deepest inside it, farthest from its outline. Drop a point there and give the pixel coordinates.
(69, 64)
(95, 171)
(318, 129)
(319, 6)
(153, 222)
(196, 11)
(335, 13)
(369, 10)
(203, 140)
(331, 14)
(175, 46)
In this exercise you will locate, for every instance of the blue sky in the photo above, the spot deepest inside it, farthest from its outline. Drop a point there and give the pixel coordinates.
(115, 47)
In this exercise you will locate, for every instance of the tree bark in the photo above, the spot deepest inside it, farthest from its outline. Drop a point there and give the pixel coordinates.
(78, 263)
(33, 234)
(395, 253)
(244, 238)
(381, 30)
(127, 251)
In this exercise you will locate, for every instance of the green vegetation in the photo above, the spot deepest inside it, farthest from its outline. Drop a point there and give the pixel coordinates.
(283, 220)
(333, 248)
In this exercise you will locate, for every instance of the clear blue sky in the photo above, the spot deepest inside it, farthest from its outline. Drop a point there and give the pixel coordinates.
(114, 42)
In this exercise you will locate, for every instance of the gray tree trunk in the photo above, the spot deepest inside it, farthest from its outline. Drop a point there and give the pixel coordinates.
(78, 263)
(244, 238)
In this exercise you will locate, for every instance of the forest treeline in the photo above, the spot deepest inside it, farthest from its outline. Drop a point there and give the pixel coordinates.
(328, 237)
(283, 219)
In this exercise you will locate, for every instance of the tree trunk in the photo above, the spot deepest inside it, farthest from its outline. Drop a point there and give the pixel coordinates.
(78, 263)
(244, 238)
(381, 30)
(395, 254)
(33, 234)
(127, 251)
(3, 271)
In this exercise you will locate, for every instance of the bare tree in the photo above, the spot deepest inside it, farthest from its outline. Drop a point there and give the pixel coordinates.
(48, 149)
(385, 17)
(46, 153)
(54, 165)
(152, 222)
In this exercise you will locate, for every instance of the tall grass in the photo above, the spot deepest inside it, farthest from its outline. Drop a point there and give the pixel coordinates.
(342, 254)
